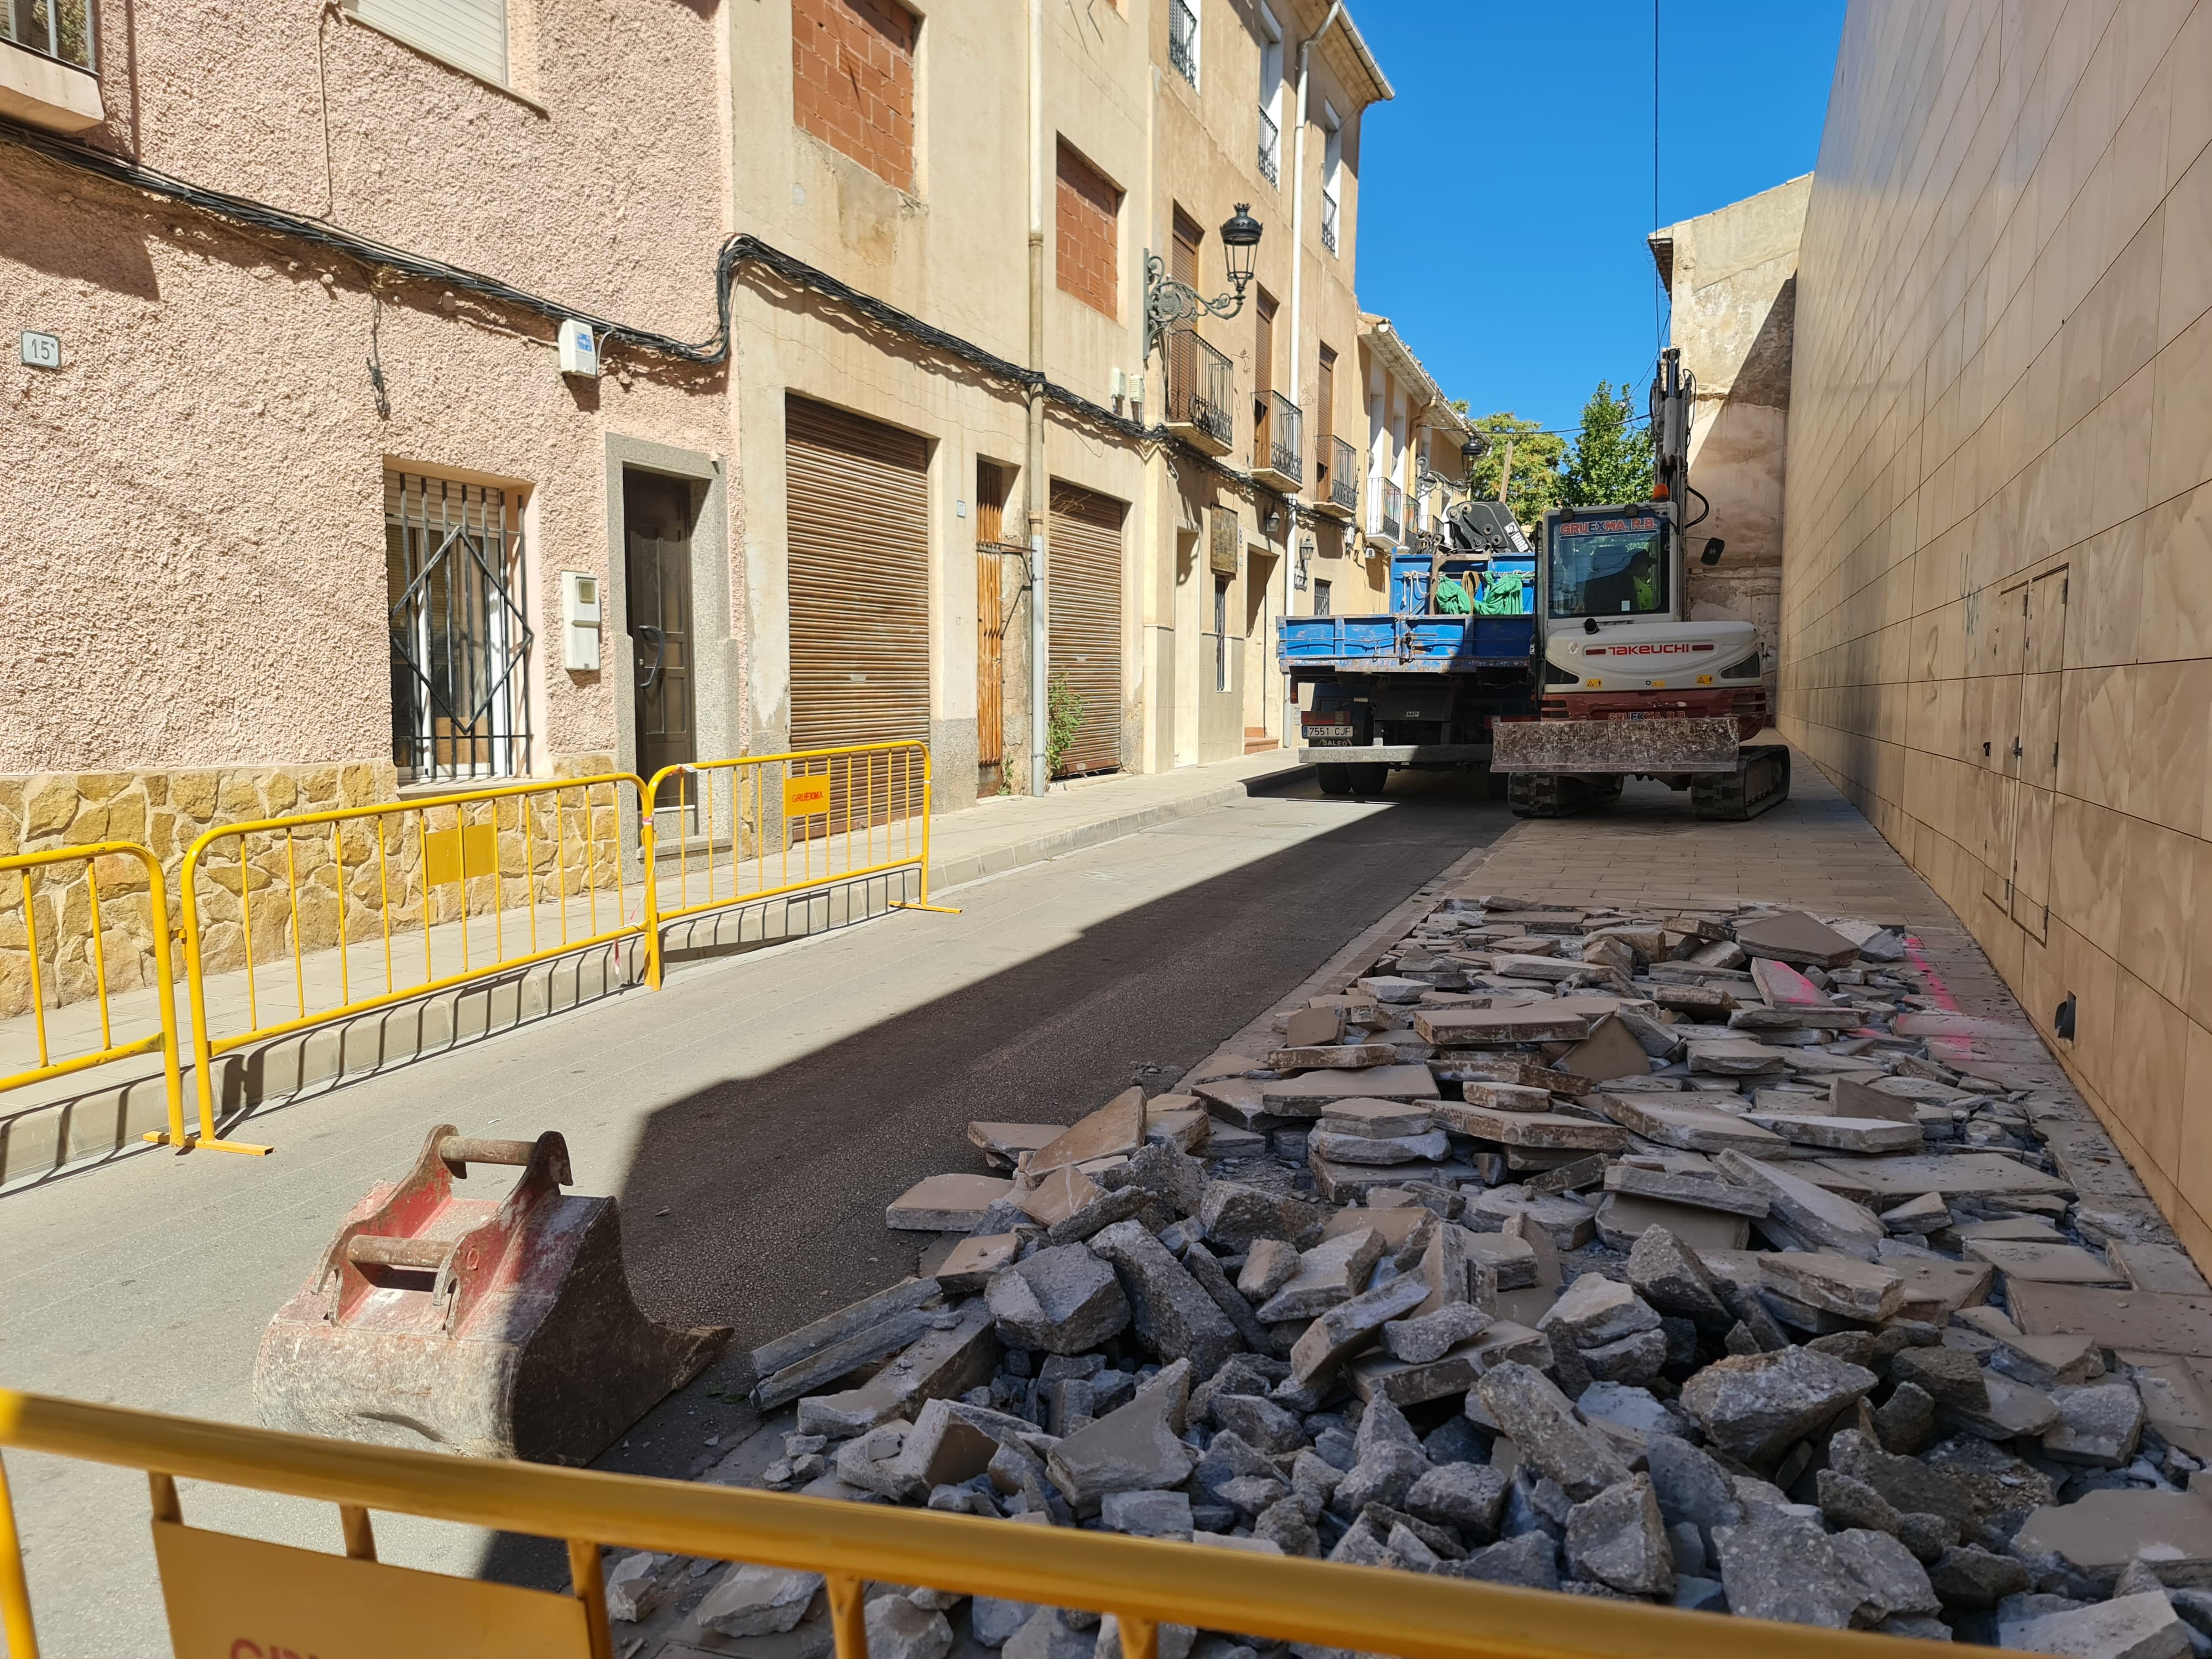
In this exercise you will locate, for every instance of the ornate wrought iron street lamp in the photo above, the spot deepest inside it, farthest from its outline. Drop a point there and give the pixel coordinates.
(1171, 303)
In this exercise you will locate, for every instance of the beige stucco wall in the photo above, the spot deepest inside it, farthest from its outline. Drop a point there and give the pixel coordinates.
(1732, 275)
(2003, 391)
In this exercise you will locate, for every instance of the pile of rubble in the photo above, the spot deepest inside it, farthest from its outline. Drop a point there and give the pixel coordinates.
(1703, 1260)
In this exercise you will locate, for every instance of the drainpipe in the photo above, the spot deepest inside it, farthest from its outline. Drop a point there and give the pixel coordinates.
(1298, 310)
(1034, 492)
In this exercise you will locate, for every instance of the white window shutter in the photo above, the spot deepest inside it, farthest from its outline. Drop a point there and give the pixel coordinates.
(470, 34)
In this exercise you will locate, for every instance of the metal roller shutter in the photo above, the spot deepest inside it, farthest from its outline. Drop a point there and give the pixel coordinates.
(1086, 617)
(858, 542)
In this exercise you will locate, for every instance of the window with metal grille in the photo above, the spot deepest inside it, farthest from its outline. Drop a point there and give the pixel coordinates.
(1182, 38)
(460, 637)
(59, 28)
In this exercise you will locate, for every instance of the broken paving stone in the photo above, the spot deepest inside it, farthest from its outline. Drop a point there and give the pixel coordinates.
(1169, 1311)
(1334, 1271)
(1146, 1513)
(2100, 1424)
(1611, 1050)
(1618, 1539)
(634, 1591)
(1270, 1264)
(899, 1629)
(1311, 1094)
(2100, 1532)
(1679, 1121)
(1700, 1188)
(1430, 1336)
(1756, 1407)
(1820, 1217)
(750, 1601)
(1839, 1284)
(1527, 1405)
(1058, 1195)
(1234, 1214)
(1951, 1377)
(1793, 937)
(1623, 1217)
(1842, 1135)
(968, 1266)
(1595, 1311)
(1669, 1275)
(1064, 1300)
(1918, 1216)
(946, 1203)
(2142, 1626)
(1138, 1448)
(2055, 1263)
(1346, 1328)
(1467, 1497)
(1567, 1222)
(1432, 1147)
(1380, 1120)
(1720, 1056)
(1635, 1359)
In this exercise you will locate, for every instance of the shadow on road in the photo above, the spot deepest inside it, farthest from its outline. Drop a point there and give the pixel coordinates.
(758, 1203)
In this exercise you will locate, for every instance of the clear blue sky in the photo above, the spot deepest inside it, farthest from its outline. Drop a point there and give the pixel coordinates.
(1506, 192)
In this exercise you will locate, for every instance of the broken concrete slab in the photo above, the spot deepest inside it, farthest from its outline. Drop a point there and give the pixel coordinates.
(2055, 1263)
(946, 1203)
(1137, 1448)
(1550, 1131)
(1704, 1189)
(1681, 1122)
(1170, 1312)
(2140, 1320)
(1793, 937)
(1840, 1284)
(1116, 1127)
(2143, 1626)
(1815, 1215)
(1529, 1407)
(1346, 1328)
(750, 1600)
(1623, 1217)
(2102, 1531)
(1334, 1271)
(1475, 1028)
(1311, 1093)
(1379, 1120)
(968, 1266)
(1729, 1056)
(938, 1363)
(1958, 1174)
(1064, 1300)
(1611, 1050)
(1842, 1135)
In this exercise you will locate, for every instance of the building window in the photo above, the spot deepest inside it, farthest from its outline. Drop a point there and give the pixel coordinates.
(1322, 598)
(1182, 37)
(58, 28)
(470, 34)
(1221, 633)
(460, 640)
(1332, 176)
(852, 82)
(1271, 97)
(1087, 259)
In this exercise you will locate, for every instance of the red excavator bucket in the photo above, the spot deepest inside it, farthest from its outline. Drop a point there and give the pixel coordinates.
(495, 1329)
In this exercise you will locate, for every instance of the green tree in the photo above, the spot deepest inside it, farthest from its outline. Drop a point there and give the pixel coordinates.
(1612, 459)
(1533, 483)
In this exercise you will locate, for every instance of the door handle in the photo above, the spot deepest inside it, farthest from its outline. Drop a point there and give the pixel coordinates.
(646, 630)
(2015, 748)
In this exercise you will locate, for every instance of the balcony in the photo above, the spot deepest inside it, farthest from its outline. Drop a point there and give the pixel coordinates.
(1386, 512)
(1277, 443)
(1200, 383)
(1271, 143)
(1182, 39)
(47, 71)
(1329, 222)
(1336, 478)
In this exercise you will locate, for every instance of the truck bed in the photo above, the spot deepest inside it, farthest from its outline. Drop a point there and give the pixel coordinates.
(1404, 644)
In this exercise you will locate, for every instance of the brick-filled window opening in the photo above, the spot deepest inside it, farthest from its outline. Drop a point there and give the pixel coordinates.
(1087, 250)
(852, 72)
(455, 579)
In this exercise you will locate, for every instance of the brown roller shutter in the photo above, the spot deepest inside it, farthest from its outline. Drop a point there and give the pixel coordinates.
(1086, 617)
(858, 539)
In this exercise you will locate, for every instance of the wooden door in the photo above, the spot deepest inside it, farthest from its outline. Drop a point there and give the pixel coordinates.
(1263, 376)
(657, 527)
(1086, 620)
(857, 545)
(2035, 793)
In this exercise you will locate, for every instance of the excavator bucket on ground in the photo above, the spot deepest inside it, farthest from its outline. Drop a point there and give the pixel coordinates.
(490, 1328)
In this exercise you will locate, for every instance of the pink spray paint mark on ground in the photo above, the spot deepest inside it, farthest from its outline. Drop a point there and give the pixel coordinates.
(1933, 980)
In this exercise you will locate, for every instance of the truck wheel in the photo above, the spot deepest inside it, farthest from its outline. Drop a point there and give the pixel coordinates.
(1368, 778)
(1760, 781)
(1334, 780)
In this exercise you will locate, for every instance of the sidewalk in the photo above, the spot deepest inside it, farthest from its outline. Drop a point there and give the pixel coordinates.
(66, 1120)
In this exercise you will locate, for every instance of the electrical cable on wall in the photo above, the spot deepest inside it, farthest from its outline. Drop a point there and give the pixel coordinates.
(737, 253)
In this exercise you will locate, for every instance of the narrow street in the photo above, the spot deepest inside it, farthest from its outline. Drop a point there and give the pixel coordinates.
(754, 1117)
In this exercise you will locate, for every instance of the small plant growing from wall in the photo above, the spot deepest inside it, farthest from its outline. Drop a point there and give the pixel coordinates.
(1063, 718)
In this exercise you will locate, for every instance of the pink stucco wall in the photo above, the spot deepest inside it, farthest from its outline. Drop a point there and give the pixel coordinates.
(191, 508)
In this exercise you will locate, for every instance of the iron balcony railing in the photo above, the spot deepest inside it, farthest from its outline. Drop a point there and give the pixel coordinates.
(1200, 383)
(1182, 39)
(57, 28)
(1336, 478)
(1278, 440)
(1270, 138)
(1386, 512)
(1329, 222)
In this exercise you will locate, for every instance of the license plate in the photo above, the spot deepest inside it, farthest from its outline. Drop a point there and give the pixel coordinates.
(1328, 734)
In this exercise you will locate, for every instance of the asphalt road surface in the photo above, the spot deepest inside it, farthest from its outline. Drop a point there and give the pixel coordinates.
(754, 1117)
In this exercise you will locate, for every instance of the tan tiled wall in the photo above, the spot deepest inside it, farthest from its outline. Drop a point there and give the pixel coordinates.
(1998, 524)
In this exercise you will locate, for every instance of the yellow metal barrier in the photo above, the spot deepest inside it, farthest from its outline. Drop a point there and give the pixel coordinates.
(493, 880)
(844, 814)
(162, 1039)
(299, 1599)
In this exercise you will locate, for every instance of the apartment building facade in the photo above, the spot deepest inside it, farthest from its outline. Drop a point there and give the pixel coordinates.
(1413, 461)
(306, 489)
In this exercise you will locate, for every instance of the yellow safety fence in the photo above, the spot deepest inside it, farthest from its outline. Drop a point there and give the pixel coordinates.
(244, 1599)
(130, 867)
(292, 923)
(843, 814)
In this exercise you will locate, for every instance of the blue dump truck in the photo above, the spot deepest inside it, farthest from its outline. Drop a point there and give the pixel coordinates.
(1420, 685)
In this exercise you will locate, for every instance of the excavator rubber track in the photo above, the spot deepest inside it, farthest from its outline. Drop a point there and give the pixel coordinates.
(1760, 783)
(1559, 794)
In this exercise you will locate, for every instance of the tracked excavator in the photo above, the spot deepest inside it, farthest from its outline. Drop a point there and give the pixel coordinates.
(1629, 685)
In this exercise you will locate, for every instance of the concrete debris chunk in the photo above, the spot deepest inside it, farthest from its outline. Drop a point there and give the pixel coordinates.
(1430, 1336)
(1139, 1447)
(1821, 1219)
(1170, 1310)
(1064, 1300)
(1596, 1310)
(1343, 1330)
(1756, 1407)
(1618, 1539)
(946, 1203)
(1529, 1407)
(2143, 1626)
(1335, 1270)
(750, 1601)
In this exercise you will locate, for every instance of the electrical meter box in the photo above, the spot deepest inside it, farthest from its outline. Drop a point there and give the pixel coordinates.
(580, 615)
(579, 349)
